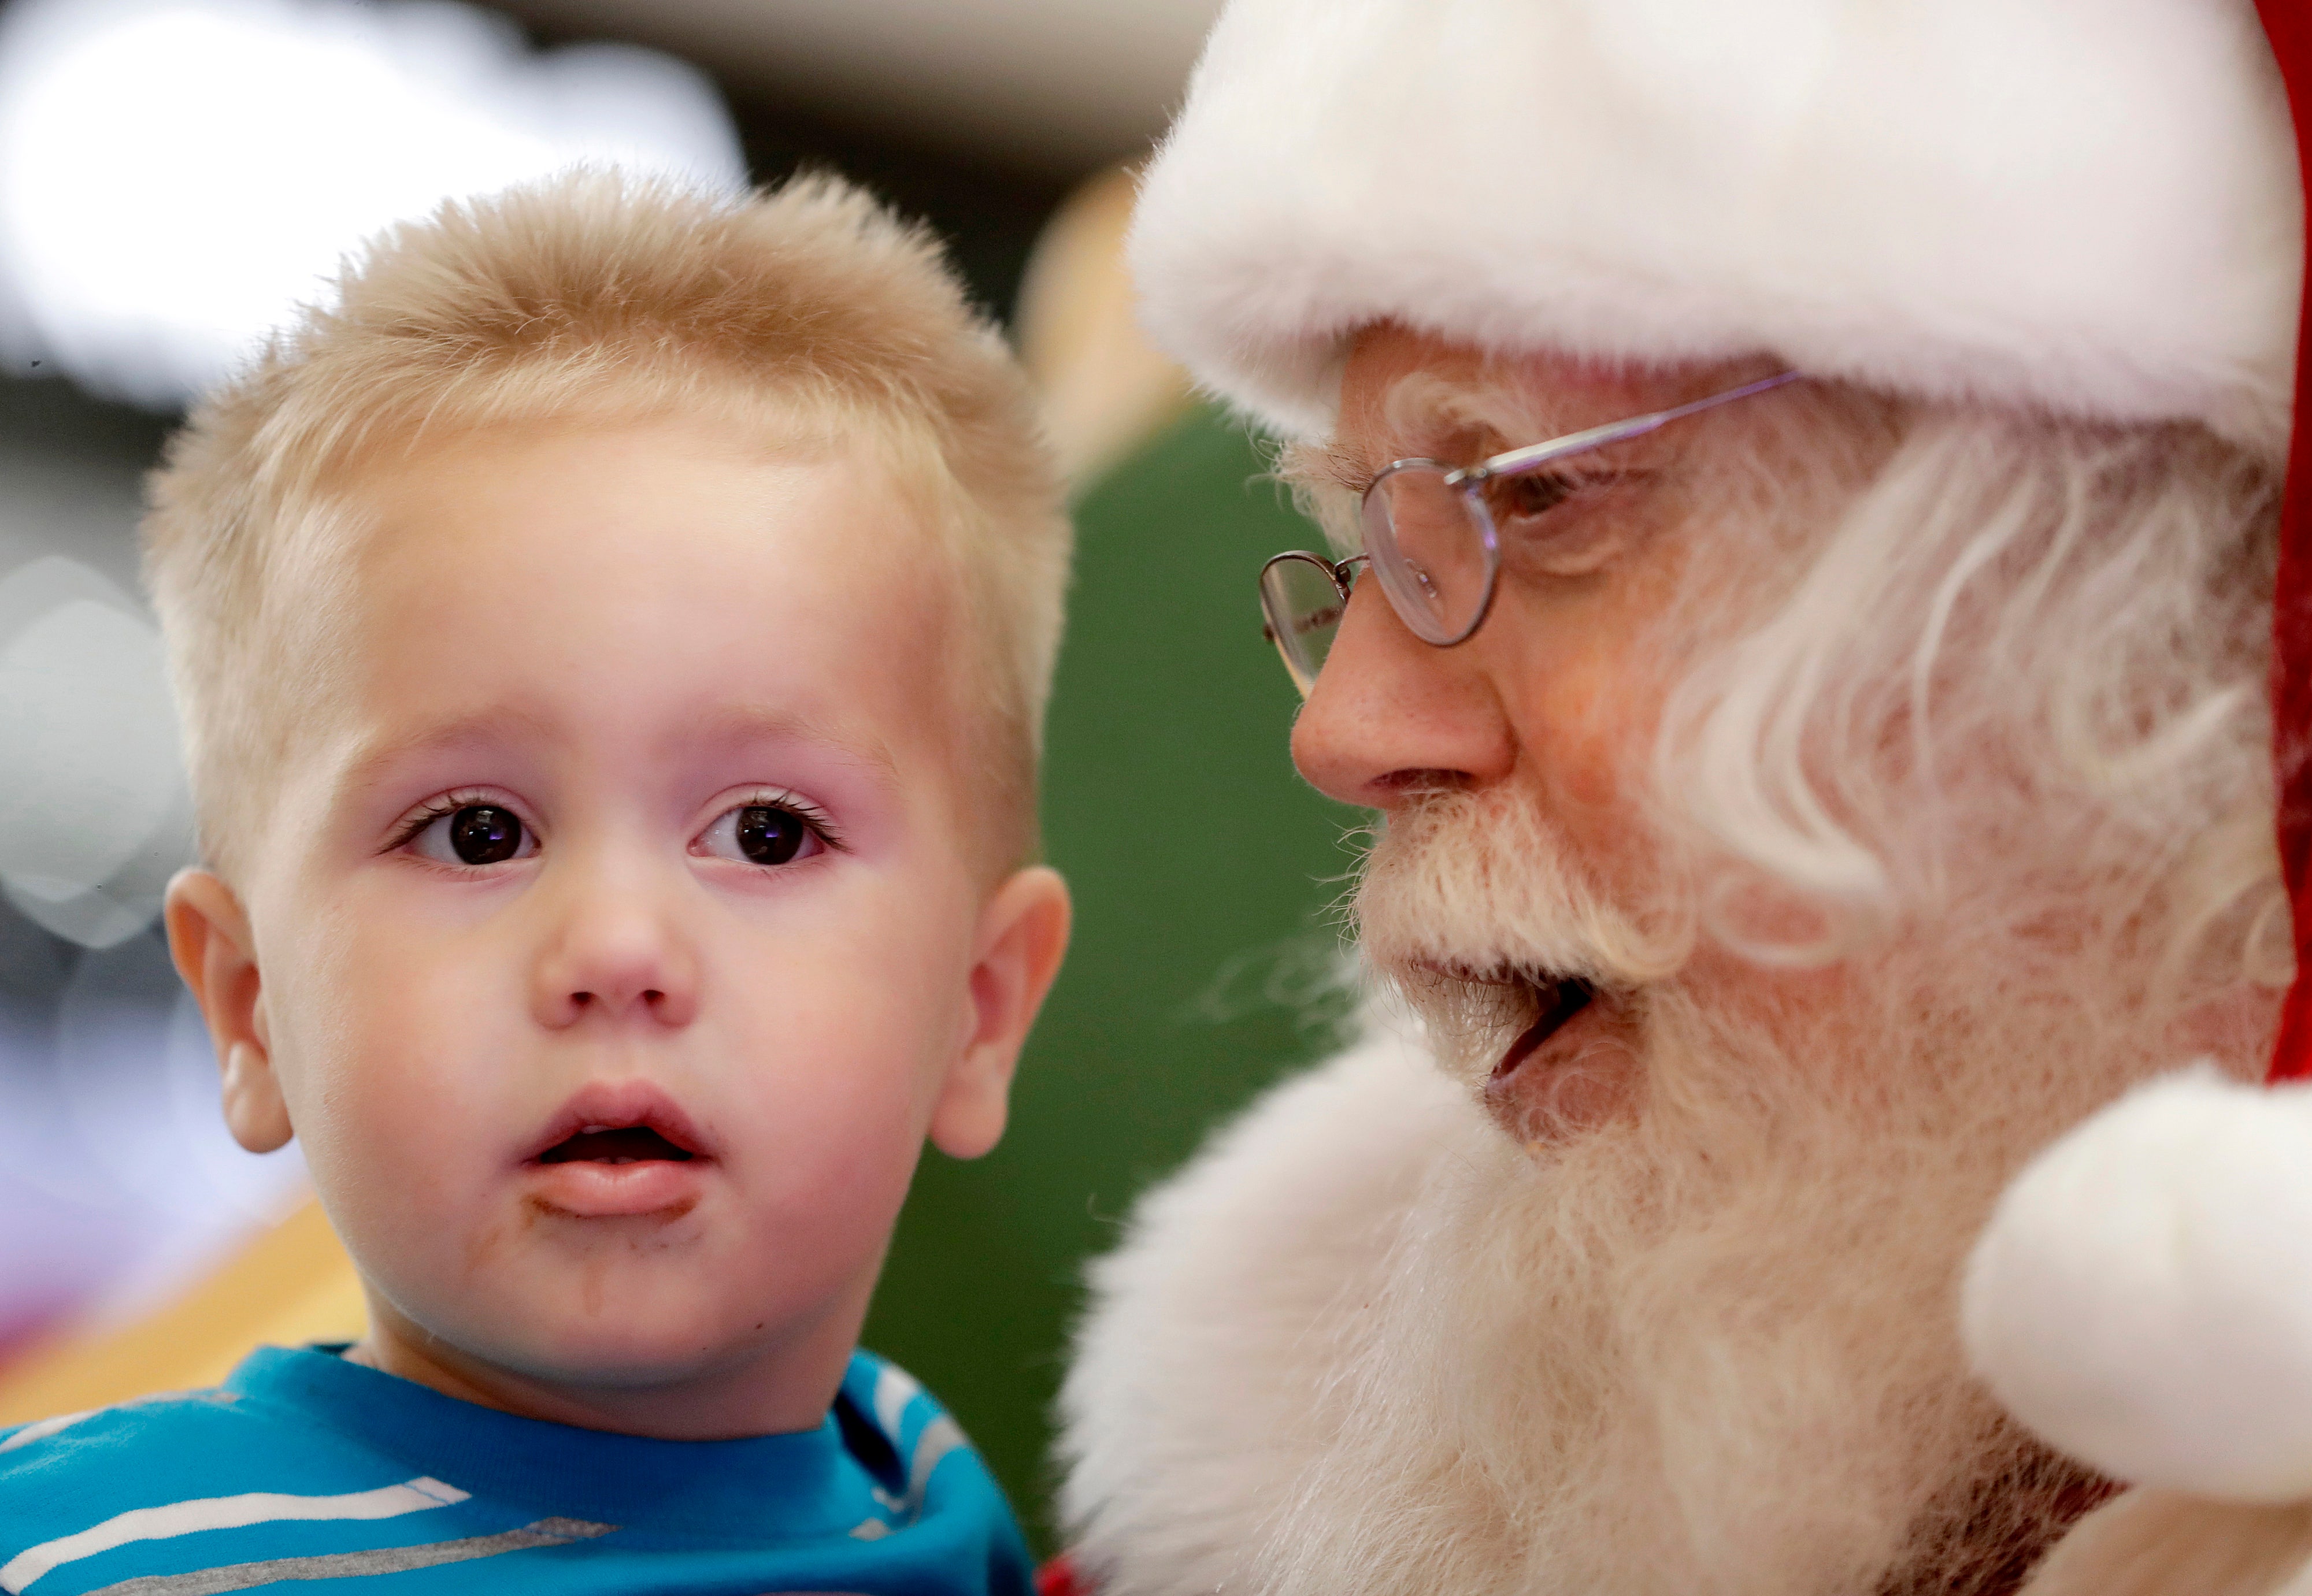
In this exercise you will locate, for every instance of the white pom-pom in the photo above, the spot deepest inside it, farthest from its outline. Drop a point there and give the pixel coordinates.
(2143, 1298)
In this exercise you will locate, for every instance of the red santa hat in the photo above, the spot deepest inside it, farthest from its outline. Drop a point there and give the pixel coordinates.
(2087, 210)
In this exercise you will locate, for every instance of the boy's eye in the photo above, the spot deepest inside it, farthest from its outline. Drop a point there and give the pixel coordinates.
(761, 835)
(475, 834)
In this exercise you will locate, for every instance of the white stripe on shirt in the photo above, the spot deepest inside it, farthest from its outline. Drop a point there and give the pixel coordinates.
(942, 1436)
(895, 1388)
(43, 1428)
(222, 1512)
(370, 1565)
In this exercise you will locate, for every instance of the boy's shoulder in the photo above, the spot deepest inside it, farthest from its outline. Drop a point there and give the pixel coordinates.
(178, 1463)
(304, 1467)
(201, 1439)
(43, 1444)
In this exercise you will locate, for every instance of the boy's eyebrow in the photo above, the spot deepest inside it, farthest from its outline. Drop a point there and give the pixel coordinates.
(725, 729)
(746, 725)
(378, 754)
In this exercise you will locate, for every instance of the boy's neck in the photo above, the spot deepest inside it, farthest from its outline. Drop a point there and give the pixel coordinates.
(781, 1389)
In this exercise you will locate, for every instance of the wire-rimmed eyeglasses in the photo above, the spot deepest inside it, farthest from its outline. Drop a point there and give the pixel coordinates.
(1430, 537)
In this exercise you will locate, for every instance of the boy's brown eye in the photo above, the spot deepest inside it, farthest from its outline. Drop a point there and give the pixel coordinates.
(764, 833)
(769, 835)
(474, 834)
(485, 834)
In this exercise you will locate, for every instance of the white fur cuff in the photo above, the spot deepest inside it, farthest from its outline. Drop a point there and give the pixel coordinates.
(2143, 1298)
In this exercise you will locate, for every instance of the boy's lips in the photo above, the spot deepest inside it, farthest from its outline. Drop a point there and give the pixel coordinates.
(616, 1148)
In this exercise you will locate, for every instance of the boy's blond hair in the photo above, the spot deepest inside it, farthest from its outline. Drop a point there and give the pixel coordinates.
(597, 296)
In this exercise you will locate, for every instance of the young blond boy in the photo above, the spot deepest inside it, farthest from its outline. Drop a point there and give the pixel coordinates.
(612, 640)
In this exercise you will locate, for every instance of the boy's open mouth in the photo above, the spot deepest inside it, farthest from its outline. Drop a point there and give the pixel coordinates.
(614, 1123)
(604, 1144)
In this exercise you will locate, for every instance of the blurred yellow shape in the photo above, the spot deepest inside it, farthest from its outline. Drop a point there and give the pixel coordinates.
(292, 1285)
(1107, 389)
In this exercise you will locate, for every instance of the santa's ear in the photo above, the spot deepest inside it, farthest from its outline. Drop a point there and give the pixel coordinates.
(1022, 935)
(209, 940)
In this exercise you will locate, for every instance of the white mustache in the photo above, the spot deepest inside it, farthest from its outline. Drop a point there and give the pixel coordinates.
(1476, 887)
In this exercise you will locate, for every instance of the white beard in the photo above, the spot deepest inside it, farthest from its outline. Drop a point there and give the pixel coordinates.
(1710, 1346)
(1711, 1349)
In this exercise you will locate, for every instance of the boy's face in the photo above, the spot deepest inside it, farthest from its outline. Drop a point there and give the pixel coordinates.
(616, 941)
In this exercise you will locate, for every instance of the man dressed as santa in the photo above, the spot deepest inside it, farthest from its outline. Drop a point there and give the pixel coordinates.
(1805, 480)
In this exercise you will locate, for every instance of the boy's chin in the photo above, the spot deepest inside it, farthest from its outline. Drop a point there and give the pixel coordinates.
(634, 1365)
(625, 1324)
(582, 1342)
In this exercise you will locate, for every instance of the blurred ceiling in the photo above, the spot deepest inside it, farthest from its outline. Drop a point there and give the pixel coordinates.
(1057, 85)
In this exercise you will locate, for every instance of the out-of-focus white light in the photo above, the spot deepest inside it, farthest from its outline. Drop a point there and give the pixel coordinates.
(176, 174)
(91, 776)
(118, 1180)
(138, 1092)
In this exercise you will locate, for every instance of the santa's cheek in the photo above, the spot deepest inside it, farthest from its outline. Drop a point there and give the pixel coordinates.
(1584, 721)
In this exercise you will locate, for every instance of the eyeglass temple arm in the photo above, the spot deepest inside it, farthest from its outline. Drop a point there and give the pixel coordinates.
(1637, 426)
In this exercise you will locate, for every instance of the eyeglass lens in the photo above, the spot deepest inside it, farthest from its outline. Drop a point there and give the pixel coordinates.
(1430, 550)
(1302, 604)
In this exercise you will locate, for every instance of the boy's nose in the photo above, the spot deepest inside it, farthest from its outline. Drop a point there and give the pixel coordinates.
(614, 956)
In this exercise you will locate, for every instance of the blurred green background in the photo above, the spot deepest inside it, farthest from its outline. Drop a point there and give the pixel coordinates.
(1203, 870)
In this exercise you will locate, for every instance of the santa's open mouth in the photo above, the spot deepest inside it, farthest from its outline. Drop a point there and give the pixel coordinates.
(1559, 1001)
(621, 1144)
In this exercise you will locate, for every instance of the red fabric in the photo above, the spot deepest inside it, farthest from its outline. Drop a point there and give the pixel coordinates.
(2289, 25)
(1058, 1577)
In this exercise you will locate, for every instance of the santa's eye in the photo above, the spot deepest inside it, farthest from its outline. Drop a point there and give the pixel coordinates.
(475, 834)
(1552, 523)
(1523, 497)
(764, 833)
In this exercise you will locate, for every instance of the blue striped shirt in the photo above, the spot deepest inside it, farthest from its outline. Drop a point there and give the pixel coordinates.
(305, 1468)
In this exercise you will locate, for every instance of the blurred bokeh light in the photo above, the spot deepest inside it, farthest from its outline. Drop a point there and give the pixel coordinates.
(1057, 87)
(176, 174)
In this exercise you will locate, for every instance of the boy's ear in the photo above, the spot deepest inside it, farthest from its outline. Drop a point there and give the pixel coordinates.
(210, 941)
(1023, 932)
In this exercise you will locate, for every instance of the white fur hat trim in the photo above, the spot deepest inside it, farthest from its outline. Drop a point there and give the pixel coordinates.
(2088, 208)
(2143, 1298)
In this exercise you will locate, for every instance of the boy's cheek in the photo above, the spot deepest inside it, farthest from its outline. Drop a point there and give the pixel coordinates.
(418, 1158)
(417, 1074)
(401, 1088)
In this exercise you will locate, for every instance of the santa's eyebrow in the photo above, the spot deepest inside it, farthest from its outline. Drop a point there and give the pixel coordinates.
(1327, 465)
(1429, 418)
(1435, 418)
